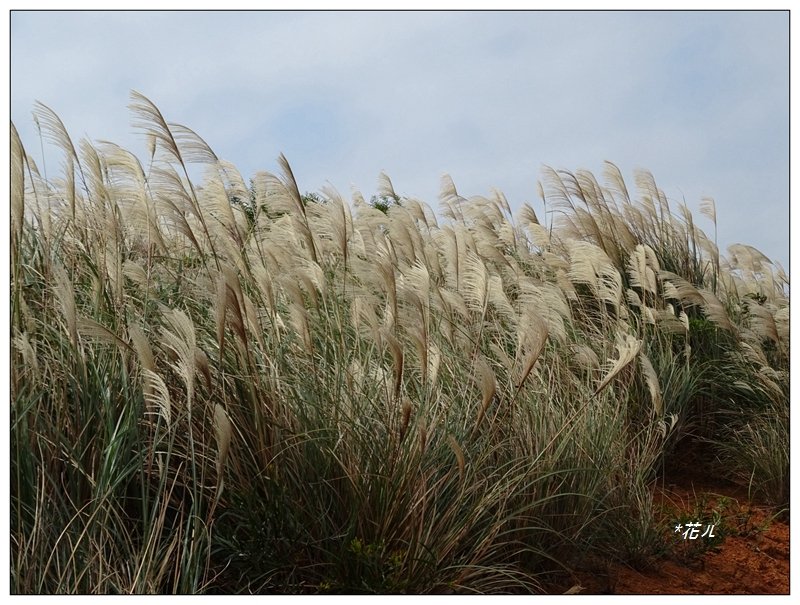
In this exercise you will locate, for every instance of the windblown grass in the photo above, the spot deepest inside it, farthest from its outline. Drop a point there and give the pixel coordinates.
(219, 387)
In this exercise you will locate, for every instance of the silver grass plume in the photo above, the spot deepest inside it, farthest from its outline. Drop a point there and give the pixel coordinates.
(487, 383)
(651, 379)
(179, 337)
(627, 347)
(223, 430)
(531, 338)
(65, 295)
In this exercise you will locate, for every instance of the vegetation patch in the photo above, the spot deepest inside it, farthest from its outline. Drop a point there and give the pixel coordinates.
(232, 387)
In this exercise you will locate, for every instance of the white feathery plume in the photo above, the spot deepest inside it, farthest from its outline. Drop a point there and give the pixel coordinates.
(223, 430)
(179, 337)
(488, 385)
(627, 347)
(475, 283)
(651, 379)
(156, 394)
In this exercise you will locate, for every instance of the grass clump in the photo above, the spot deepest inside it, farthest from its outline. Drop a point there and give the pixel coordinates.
(226, 388)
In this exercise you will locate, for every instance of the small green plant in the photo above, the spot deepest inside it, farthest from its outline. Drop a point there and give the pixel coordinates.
(693, 533)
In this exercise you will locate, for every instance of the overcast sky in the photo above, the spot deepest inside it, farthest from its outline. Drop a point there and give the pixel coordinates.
(701, 99)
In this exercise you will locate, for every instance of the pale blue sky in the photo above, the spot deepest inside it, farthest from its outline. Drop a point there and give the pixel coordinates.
(701, 99)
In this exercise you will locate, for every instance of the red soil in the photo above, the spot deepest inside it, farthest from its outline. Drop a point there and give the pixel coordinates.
(754, 562)
(753, 558)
